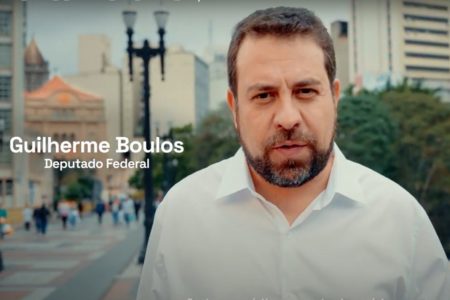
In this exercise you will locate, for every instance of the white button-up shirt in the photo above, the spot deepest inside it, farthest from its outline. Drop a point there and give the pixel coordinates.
(363, 237)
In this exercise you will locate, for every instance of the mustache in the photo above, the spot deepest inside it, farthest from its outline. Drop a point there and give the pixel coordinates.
(293, 135)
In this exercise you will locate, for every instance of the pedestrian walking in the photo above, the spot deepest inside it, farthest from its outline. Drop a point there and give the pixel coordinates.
(3, 217)
(137, 208)
(80, 208)
(37, 221)
(128, 210)
(42, 215)
(63, 211)
(100, 209)
(115, 209)
(74, 217)
(27, 214)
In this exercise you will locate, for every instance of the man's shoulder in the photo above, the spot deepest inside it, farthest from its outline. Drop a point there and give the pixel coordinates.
(379, 188)
(201, 184)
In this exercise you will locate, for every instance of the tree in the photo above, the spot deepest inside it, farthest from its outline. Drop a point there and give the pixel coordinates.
(215, 138)
(366, 133)
(423, 162)
(77, 185)
(403, 132)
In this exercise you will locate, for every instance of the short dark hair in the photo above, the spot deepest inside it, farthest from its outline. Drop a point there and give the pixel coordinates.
(281, 22)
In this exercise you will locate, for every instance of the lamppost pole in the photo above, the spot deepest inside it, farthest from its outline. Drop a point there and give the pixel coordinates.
(146, 53)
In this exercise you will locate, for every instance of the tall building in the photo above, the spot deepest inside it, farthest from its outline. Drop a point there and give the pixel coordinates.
(216, 58)
(36, 67)
(94, 53)
(13, 168)
(97, 74)
(339, 34)
(399, 38)
(121, 98)
(182, 98)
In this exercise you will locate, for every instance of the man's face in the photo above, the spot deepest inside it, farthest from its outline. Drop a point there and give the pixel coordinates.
(285, 112)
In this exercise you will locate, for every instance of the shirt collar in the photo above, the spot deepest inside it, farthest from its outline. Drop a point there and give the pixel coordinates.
(341, 182)
(236, 177)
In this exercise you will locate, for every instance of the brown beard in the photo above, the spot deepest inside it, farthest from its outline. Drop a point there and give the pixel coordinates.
(292, 172)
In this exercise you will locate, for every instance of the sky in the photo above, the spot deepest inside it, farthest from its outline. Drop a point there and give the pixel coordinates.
(56, 24)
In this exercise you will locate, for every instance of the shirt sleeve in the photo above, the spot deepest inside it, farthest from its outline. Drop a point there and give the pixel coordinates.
(431, 272)
(150, 285)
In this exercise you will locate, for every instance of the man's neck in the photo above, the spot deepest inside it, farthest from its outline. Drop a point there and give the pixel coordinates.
(293, 201)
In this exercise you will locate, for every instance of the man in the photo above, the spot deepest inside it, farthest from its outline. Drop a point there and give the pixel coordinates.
(289, 217)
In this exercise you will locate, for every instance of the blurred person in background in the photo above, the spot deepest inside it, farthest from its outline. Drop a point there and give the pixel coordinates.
(100, 210)
(27, 214)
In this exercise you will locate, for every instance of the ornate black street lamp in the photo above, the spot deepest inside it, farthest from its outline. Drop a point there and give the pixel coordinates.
(146, 53)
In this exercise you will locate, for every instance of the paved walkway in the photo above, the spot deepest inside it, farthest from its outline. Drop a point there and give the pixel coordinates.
(90, 262)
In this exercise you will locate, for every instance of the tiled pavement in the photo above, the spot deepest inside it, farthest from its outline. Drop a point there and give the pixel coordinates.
(126, 284)
(90, 262)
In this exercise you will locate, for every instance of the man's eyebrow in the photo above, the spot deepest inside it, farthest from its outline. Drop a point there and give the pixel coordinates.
(307, 82)
(268, 87)
(260, 87)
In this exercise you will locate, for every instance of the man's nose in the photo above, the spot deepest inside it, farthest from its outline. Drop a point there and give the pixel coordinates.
(287, 115)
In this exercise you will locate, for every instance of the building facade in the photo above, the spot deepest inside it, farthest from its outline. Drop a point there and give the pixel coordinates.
(401, 38)
(339, 34)
(66, 113)
(183, 97)
(216, 58)
(36, 67)
(13, 168)
(97, 74)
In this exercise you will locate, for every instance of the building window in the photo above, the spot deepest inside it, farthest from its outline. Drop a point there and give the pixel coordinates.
(426, 30)
(9, 187)
(5, 120)
(425, 18)
(5, 23)
(427, 55)
(427, 69)
(342, 29)
(5, 56)
(425, 5)
(426, 43)
(5, 130)
(5, 88)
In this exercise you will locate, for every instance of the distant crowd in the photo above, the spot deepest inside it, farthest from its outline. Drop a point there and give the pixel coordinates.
(123, 210)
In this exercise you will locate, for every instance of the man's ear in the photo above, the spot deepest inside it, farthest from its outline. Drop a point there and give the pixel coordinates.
(336, 89)
(232, 105)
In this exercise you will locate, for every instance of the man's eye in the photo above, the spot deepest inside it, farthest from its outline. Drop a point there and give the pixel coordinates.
(306, 92)
(263, 96)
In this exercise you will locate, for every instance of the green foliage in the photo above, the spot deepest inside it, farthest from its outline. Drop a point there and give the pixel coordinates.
(403, 131)
(214, 140)
(74, 192)
(80, 189)
(366, 133)
(423, 145)
(137, 180)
